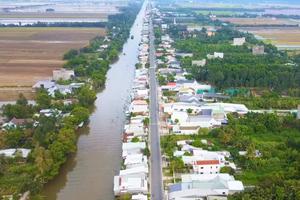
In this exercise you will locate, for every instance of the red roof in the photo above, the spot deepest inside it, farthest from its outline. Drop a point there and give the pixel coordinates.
(171, 84)
(207, 162)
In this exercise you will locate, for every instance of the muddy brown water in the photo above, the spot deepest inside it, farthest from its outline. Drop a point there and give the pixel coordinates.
(88, 174)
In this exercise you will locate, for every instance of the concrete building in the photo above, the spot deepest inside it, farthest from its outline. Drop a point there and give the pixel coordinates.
(239, 41)
(199, 63)
(62, 74)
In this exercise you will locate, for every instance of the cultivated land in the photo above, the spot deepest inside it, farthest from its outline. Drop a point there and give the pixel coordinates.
(257, 21)
(30, 54)
(278, 36)
(54, 15)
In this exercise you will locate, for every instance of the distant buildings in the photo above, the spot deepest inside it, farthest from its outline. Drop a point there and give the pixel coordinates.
(239, 41)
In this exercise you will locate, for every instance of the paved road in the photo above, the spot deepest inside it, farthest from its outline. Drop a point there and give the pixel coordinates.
(156, 170)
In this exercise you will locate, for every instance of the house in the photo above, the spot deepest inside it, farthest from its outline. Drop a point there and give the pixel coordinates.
(239, 41)
(45, 84)
(206, 166)
(170, 108)
(130, 148)
(218, 55)
(258, 50)
(189, 98)
(199, 63)
(139, 106)
(215, 55)
(15, 123)
(132, 184)
(15, 152)
(202, 186)
(134, 130)
(63, 74)
(193, 84)
(50, 112)
(190, 124)
(228, 107)
(136, 160)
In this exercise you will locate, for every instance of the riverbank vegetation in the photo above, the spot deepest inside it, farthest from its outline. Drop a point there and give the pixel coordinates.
(49, 128)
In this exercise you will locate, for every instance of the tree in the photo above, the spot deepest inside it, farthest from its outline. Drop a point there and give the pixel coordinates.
(146, 121)
(135, 139)
(189, 111)
(227, 170)
(43, 160)
(86, 96)
(43, 100)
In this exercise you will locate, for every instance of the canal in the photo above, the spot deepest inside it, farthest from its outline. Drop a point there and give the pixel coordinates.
(88, 174)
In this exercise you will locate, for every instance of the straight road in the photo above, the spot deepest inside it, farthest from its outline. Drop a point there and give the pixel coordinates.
(156, 170)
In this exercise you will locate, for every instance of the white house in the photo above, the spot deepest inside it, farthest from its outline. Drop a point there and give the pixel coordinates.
(239, 41)
(14, 152)
(139, 106)
(218, 55)
(136, 160)
(132, 184)
(199, 63)
(228, 107)
(63, 74)
(202, 186)
(130, 148)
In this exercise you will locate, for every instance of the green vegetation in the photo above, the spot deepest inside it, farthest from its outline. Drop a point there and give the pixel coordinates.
(239, 68)
(267, 101)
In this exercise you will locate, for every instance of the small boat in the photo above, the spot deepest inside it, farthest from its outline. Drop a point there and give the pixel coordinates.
(132, 37)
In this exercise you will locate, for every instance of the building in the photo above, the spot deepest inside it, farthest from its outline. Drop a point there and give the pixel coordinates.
(202, 186)
(15, 152)
(63, 74)
(131, 148)
(207, 166)
(239, 41)
(258, 50)
(15, 123)
(139, 106)
(218, 55)
(199, 63)
(132, 184)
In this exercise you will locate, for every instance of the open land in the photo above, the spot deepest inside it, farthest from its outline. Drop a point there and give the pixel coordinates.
(30, 54)
(278, 36)
(257, 21)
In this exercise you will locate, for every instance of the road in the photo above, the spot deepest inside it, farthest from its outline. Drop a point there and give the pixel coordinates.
(156, 170)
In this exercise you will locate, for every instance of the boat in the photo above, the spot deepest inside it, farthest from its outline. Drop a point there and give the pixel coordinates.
(132, 37)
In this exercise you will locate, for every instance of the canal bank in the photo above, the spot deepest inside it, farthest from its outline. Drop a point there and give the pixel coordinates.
(89, 173)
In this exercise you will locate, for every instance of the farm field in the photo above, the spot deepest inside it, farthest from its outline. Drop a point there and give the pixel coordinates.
(285, 37)
(42, 15)
(31, 54)
(257, 21)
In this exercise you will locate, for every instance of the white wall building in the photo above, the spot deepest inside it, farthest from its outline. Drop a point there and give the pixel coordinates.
(201, 186)
(239, 41)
